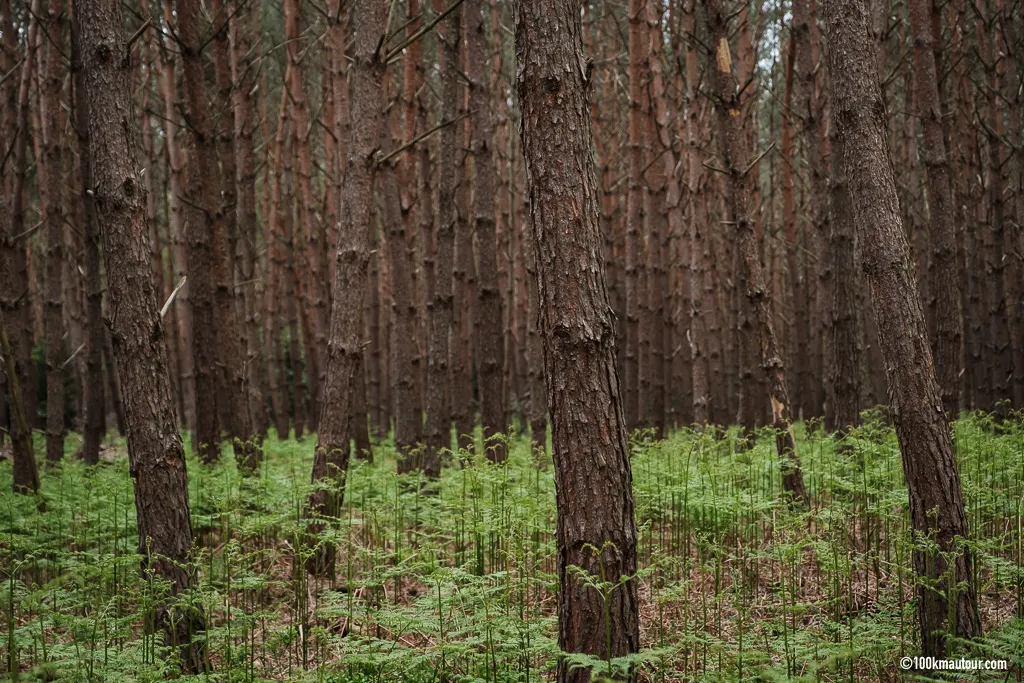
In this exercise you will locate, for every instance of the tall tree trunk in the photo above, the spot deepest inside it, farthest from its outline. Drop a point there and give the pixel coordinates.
(461, 367)
(15, 292)
(733, 143)
(251, 285)
(368, 102)
(845, 378)
(155, 453)
(943, 276)
(51, 167)
(176, 183)
(93, 381)
(408, 392)
(307, 229)
(489, 313)
(638, 45)
(700, 304)
(929, 462)
(593, 481)
(440, 308)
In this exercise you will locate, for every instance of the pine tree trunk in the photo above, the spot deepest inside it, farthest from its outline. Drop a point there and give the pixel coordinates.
(252, 284)
(929, 462)
(733, 145)
(489, 313)
(155, 451)
(440, 307)
(635, 214)
(368, 102)
(93, 381)
(944, 288)
(51, 167)
(15, 298)
(176, 186)
(596, 531)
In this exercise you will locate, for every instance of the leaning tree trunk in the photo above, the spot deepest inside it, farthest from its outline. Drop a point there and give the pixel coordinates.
(155, 453)
(344, 346)
(945, 290)
(593, 481)
(929, 463)
(733, 144)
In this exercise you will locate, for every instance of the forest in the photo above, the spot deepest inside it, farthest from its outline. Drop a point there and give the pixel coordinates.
(449, 341)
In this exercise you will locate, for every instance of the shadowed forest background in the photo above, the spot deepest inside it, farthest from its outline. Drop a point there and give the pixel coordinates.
(553, 341)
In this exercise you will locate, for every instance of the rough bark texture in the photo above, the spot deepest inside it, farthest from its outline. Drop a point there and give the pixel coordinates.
(944, 288)
(489, 314)
(344, 347)
(929, 462)
(155, 453)
(735, 157)
(593, 481)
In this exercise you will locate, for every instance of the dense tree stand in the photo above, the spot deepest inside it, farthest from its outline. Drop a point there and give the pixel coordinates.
(593, 480)
(915, 399)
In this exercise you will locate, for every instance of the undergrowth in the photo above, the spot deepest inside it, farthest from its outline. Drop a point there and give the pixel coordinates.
(456, 580)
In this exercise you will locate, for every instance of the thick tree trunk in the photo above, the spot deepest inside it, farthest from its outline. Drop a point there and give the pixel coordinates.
(51, 167)
(944, 288)
(489, 314)
(593, 481)
(929, 462)
(155, 452)
(368, 102)
(26, 472)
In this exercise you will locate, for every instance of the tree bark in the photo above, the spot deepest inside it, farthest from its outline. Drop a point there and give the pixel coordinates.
(368, 102)
(15, 291)
(929, 463)
(635, 214)
(489, 313)
(155, 453)
(593, 481)
(51, 166)
(93, 380)
(734, 152)
(440, 308)
(944, 288)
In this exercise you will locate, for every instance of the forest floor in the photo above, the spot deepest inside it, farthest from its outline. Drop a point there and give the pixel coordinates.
(456, 580)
